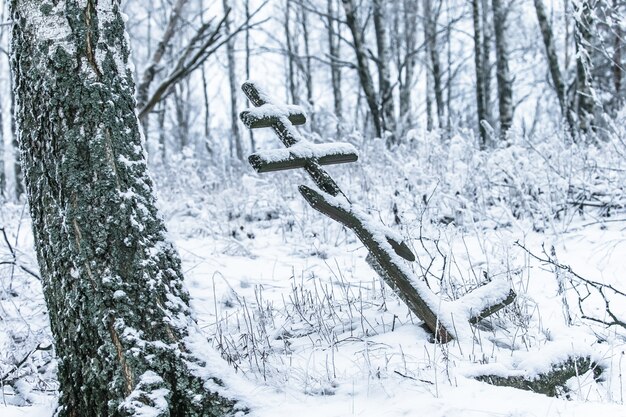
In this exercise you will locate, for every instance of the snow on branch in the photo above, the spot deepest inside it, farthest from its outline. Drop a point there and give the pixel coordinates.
(298, 155)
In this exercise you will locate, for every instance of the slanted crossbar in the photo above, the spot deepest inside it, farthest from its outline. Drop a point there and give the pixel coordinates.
(387, 251)
(299, 154)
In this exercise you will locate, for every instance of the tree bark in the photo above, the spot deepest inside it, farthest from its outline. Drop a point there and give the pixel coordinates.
(124, 334)
(503, 76)
(365, 78)
(582, 40)
(234, 87)
(248, 60)
(3, 178)
(410, 59)
(335, 69)
(553, 62)
(143, 88)
(487, 38)
(385, 91)
(291, 64)
(430, 29)
(480, 73)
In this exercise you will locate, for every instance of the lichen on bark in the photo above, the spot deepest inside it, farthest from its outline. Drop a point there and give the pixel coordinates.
(118, 308)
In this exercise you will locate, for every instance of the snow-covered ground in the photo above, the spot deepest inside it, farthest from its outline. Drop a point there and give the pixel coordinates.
(309, 329)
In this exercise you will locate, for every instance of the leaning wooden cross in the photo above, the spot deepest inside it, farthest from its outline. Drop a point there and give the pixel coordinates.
(387, 252)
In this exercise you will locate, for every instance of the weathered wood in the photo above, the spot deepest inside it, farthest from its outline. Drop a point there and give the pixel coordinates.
(289, 137)
(253, 121)
(298, 155)
(393, 274)
(493, 308)
(381, 243)
(262, 165)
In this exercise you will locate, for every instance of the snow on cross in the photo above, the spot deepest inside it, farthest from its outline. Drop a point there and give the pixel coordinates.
(387, 251)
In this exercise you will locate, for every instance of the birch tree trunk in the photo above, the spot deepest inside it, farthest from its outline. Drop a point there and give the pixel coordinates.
(385, 91)
(3, 178)
(487, 39)
(553, 62)
(410, 57)
(248, 59)
(430, 34)
(234, 87)
(291, 64)
(335, 70)
(582, 39)
(480, 73)
(124, 334)
(503, 76)
(365, 78)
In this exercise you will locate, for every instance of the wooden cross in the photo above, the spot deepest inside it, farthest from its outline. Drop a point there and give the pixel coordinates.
(387, 251)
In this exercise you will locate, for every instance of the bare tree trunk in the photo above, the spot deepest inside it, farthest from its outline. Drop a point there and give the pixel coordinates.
(248, 59)
(143, 87)
(505, 90)
(365, 78)
(181, 110)
(553, 62)
(207, 109)
(308, 72)
(234, 87)
(480, 73)
(162, 133)
(429, 102)
(617, 56)
(410, 58)
(385, 91)
(291, 64)
(430, 29)
(487, 39)
(582, 39)
(335, 70)
(3, 178)
(125, 336)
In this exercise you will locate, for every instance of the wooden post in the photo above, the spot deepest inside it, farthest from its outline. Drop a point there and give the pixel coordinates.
(387, 251)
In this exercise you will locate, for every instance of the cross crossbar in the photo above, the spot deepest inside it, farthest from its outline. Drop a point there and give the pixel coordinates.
(289, 136)
(299, 154)
(268, 114)
(387, 251)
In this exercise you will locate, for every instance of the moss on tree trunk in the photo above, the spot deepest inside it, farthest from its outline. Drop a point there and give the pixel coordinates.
(113, 284)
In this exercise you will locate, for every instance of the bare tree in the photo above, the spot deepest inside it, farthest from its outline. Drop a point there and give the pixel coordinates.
(553, 63)
(585, 101)
(334, 42)
(503, 76)
(481, 103)
(365, 77)
(236, 141)
(409, 60)
(383, 60)
(430, 34)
